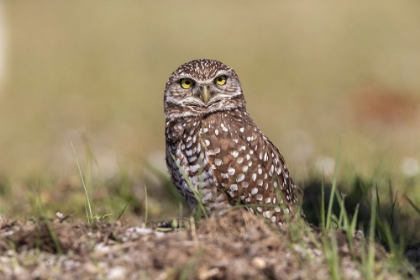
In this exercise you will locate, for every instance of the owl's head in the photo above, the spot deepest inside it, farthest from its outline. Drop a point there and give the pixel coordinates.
(201, 87)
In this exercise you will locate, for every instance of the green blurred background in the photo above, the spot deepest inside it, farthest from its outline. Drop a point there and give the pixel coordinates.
(311, 71)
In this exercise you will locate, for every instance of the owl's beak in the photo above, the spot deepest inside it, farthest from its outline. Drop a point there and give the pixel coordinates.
(205, 94)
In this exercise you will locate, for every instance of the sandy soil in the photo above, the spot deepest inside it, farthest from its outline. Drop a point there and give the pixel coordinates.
(237, 245)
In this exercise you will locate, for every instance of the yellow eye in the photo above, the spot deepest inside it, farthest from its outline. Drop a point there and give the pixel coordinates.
(186, 83)
(221, 80)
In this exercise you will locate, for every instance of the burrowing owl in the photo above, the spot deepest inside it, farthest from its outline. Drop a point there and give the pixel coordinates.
(214, 150)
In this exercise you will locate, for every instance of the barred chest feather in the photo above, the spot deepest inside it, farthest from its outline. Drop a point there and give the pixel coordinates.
(228, 160)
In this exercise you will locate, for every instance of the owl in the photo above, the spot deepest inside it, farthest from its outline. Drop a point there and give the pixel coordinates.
(215, 153)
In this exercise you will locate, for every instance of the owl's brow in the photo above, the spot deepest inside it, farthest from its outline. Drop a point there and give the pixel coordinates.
(222, 72)
(191, 76)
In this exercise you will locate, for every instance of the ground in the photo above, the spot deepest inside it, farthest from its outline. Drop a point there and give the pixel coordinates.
(237, 245)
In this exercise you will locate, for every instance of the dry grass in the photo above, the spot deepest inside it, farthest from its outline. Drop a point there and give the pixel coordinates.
(102, 68)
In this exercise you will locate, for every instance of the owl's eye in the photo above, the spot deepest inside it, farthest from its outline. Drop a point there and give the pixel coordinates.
(221, 80)
(186, 83)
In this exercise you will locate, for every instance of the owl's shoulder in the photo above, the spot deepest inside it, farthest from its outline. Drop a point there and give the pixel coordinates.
(177, 128)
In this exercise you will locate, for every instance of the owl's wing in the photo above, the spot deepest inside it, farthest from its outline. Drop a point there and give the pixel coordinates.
(177, 160)
(247, 166)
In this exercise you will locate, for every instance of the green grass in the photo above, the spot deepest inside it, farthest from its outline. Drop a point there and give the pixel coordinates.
(89, 214)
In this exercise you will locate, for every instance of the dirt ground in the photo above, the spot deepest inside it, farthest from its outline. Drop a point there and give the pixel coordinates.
(237, 245)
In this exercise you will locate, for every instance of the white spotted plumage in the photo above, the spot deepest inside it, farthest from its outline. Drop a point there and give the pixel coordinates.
(212, 142)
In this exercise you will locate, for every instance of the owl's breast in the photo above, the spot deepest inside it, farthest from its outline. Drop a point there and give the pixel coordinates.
(225, 147)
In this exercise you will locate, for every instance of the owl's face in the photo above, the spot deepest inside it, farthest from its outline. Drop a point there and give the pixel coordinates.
(200, 87)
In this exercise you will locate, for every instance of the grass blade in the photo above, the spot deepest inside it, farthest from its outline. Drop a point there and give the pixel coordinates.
(87, 200)
(334, 186)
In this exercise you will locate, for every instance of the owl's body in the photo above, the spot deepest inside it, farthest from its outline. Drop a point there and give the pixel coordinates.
(214, 150)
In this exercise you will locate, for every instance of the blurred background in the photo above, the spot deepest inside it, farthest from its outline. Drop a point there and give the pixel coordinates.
(313, 72)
